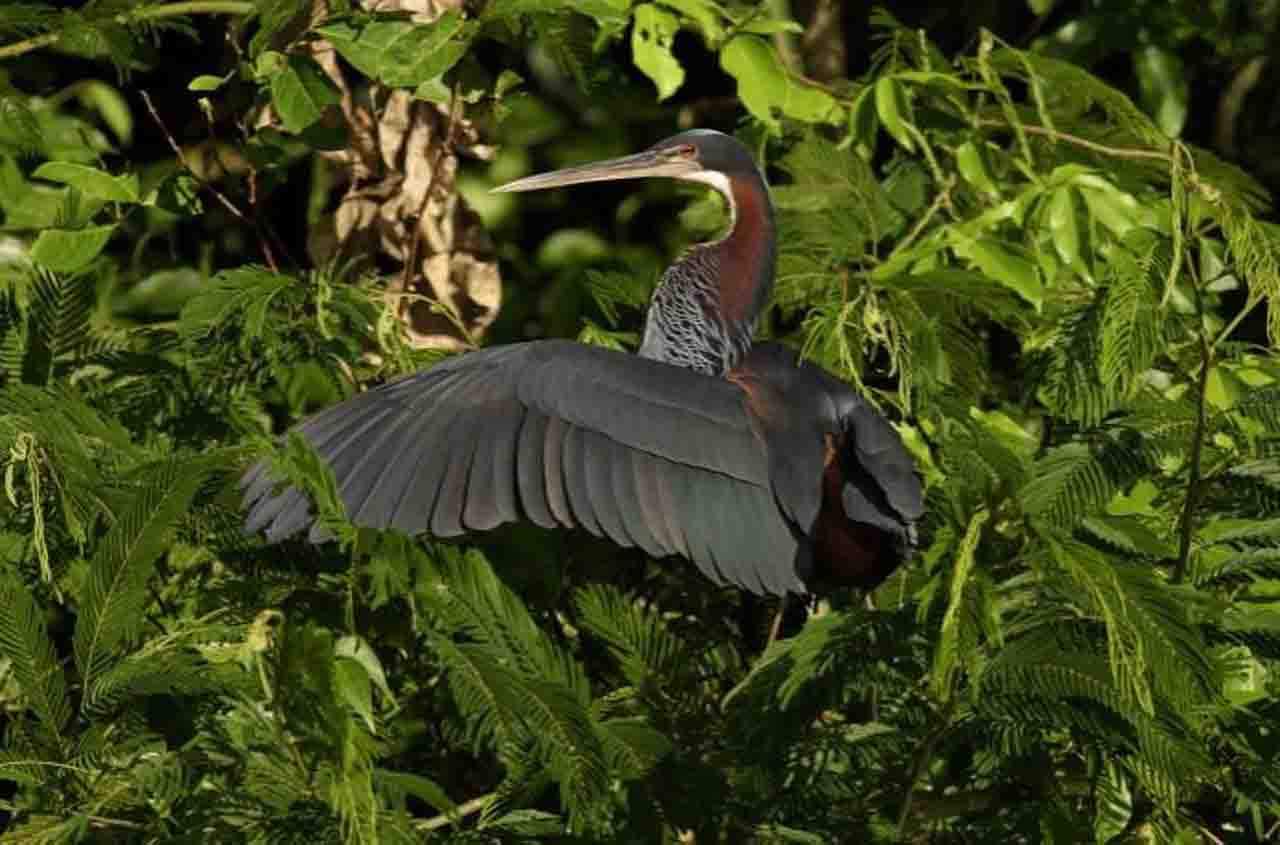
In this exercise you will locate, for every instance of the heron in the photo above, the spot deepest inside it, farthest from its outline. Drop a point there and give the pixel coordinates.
(766, 471)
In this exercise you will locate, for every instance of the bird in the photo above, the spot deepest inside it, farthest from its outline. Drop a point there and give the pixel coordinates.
(764, 470)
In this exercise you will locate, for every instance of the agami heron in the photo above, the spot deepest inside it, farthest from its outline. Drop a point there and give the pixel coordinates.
(766, 472)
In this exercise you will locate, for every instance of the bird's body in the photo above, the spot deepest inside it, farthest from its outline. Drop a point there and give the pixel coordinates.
(764, 471)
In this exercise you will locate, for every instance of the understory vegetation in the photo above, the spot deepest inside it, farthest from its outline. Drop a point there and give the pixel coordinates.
(216, 217)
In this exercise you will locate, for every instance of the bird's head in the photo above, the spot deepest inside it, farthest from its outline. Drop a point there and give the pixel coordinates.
(698, 155)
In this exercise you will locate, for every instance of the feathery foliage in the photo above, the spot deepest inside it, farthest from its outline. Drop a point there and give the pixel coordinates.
(1063, 298)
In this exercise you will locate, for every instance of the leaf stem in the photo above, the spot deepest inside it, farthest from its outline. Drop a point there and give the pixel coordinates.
(918, 766)
(1101, 149)
(1197, 448)
(171, 10)
(460, 812)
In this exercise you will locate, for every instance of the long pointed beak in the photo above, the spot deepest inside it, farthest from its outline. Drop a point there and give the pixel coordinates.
(638, 166)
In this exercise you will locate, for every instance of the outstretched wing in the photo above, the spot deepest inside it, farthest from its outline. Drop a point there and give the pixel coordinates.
(642, 452)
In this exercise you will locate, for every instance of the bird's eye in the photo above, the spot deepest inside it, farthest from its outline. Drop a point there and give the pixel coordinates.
(687, 152)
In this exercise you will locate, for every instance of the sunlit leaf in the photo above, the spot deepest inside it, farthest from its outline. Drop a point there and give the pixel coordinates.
(1063, 226)
(973, 168)
(90, 181)
(300, 93)
(894, 111)
(651, 41)
(68, 250)
(766, 88)
(401, 53)
(1005, 263)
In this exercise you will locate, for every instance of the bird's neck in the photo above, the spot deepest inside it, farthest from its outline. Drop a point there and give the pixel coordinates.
(748, 253)
(704, 311)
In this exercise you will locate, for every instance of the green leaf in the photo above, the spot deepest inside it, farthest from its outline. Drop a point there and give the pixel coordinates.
(422, 788)
(357, 649)
(894, 111)
(1004, 263)
(765, 26)
(69, 250)
(401, 53)
(1063, 226)
(300, 93)
(110, 105)
(708, 16)
(863, 121)
(434, 91)
(352, 687)
(205, 82)
(1114, 802)
(113, 601)
(947, 653)
(651, 39)
(1162, 87)
(90, 181)
(24, 641)
(973, 168)
(767, 89)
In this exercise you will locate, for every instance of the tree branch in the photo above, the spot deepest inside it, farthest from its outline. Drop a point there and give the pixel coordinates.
(1197, 447)
(222, 198)
(172, 10)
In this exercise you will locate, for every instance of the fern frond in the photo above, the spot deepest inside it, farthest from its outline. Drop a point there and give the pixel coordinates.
(637, 635)
(242, 297)
(1070, 92)
(1130, 330)
(1065, 484)
(113, 601)
(469, 598)
(24, 640)
(632, 746)
(1072, 387)
(61, 310)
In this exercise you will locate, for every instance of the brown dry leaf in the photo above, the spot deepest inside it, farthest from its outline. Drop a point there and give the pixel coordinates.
(400, 203)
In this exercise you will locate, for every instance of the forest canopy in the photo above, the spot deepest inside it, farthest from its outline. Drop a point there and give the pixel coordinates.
(1040, 237)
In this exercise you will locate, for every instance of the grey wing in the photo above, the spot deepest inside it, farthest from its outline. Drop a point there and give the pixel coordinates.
(802, 403)
(644, 453)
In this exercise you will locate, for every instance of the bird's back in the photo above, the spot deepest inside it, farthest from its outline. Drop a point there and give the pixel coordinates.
(838, 468)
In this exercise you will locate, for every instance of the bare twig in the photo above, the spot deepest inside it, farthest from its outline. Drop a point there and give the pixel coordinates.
(222, 198)
(923, 755)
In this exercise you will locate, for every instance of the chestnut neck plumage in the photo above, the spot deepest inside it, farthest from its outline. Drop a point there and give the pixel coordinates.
(705, 307)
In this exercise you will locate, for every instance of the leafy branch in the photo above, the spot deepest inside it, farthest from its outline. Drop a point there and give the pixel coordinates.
(146, 13)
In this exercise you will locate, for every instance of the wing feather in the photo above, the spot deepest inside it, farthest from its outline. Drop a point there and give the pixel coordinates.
(553, 471)
(574, 464)
(626, 498)
(643, 471)
(600, 458)
(446, 516)
(530, 478)
(491, 489)
(648, 454)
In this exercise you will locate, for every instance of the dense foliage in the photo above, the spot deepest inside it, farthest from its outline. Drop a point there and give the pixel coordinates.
(1063, 301)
